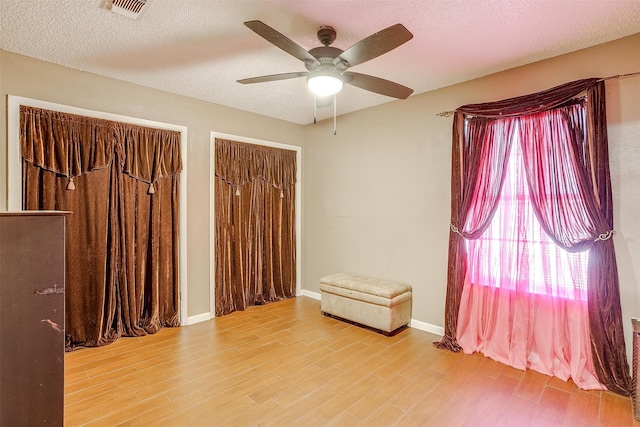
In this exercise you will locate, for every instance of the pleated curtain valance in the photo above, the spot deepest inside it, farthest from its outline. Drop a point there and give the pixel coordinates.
(529, 104)
(249, 163)
(72, 145)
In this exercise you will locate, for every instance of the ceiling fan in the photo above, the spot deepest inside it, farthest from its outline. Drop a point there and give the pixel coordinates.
(328, 66)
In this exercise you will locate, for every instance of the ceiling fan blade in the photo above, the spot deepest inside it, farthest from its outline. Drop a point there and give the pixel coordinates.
(281, 41)
(274, 77)
(377, 85)
(375, 45)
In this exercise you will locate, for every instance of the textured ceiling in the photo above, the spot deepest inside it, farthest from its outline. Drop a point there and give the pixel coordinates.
(199, 48)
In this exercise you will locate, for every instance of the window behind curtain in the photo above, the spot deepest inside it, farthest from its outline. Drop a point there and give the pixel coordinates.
(515, 252)
(577, 339)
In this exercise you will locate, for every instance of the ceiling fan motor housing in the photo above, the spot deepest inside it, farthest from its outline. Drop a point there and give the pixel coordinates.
(325, 56)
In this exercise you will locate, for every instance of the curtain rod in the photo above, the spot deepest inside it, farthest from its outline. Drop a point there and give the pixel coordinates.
(620, 76)
(617, 76)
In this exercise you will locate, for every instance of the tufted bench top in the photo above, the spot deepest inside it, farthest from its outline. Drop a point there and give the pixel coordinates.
(367, 285)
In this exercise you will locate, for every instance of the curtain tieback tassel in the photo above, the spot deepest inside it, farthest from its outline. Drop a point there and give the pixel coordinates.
(604, 236)
(237, 191)
(71, 186)
(152, 189)
(282, 194)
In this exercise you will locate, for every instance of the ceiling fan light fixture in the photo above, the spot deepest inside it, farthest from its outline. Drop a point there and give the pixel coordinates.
(324, 84)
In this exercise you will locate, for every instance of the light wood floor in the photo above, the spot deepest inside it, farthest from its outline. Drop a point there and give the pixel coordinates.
(285, 364)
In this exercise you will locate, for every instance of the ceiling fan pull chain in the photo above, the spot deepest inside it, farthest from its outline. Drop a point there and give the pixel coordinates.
(315, 108)
(334, 114)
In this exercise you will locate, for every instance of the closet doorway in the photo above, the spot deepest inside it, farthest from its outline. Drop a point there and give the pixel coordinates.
(15, 202)
(255, 222)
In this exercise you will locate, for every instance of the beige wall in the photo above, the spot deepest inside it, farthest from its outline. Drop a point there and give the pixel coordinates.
(377, 194)
(26, 77)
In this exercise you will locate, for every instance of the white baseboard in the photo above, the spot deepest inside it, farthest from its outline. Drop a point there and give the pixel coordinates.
(310, 294)
(198, 318)
(427, 327)
(417, 324)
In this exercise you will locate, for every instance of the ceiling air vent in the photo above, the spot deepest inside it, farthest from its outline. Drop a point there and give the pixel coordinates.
(129, 8)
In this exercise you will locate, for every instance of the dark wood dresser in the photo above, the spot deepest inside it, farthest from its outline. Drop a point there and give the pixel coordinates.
(32, 279)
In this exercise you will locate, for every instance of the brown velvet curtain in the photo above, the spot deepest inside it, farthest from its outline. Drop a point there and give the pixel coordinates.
(121, 182)
(255, 233)
(605, 313)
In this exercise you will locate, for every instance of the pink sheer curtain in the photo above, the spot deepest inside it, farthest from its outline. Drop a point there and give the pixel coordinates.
(522, 291)
(480, 153)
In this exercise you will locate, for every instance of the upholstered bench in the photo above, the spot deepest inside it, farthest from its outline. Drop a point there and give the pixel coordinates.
(380, 304)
